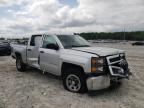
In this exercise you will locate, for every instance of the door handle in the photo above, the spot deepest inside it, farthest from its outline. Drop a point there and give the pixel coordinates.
(29, 49)
(41, 51)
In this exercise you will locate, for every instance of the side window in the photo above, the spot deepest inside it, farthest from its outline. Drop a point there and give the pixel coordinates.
(32, 41)
(36, 40)
(48, 40)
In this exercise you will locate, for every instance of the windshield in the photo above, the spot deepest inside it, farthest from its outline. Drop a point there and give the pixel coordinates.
(69, 41)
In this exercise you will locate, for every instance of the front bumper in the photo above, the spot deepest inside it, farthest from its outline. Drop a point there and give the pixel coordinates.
(5, 51)
(97, 83)
(2, 51)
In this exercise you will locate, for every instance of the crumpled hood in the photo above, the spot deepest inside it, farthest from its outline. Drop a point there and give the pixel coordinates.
(101, 51)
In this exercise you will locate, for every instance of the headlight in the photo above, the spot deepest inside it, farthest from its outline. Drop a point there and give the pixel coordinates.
(122, 56)
(100, 69)
(97, 61)
(97, 65)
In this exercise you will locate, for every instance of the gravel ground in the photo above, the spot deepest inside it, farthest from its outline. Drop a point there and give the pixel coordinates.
(32, 89)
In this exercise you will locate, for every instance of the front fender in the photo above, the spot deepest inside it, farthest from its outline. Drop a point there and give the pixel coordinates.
(83, 62)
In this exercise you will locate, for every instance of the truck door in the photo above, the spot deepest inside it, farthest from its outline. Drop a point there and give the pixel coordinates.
(33, 50)
(49, 58)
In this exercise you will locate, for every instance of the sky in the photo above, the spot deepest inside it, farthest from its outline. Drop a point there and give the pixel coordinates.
(19, 17)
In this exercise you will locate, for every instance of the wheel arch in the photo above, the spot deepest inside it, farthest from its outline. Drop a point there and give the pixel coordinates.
(18, 55)
(66, 65)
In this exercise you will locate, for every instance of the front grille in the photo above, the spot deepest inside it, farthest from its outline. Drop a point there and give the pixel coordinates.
(118, 65)
(115, 59)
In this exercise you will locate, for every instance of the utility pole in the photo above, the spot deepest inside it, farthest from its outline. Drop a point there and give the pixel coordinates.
(124, 34)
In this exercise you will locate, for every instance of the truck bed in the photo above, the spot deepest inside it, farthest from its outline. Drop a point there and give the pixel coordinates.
(16, 48)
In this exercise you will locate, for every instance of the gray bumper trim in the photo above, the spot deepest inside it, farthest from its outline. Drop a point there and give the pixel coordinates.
(97, 83)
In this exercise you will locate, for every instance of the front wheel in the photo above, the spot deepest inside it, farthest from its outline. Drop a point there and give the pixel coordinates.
(74, 80)
(20, 65)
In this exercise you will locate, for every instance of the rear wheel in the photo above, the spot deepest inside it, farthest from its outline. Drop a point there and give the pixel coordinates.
(20, 65)
(74, 80)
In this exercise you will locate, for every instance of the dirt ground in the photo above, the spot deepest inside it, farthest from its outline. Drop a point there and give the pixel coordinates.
(32, 89)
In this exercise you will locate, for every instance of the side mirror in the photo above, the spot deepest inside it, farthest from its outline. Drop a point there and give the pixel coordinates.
(52, 46)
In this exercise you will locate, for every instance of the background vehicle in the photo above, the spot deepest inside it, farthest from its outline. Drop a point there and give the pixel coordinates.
(81, 66)
(138, 43)
(5, 48)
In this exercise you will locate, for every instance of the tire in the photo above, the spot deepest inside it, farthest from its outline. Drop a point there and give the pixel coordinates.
(20, 65)
(74, 80)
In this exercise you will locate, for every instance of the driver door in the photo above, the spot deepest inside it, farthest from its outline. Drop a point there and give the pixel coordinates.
(49, 58)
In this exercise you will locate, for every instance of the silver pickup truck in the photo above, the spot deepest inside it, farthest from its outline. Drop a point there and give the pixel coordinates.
(81, 66)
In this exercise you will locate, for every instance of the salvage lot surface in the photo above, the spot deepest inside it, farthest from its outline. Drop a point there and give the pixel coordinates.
(32, 89)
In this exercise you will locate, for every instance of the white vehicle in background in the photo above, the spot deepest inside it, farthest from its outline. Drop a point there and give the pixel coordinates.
(81, 66)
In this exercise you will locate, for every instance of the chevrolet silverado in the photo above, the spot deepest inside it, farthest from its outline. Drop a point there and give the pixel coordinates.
(81, 66)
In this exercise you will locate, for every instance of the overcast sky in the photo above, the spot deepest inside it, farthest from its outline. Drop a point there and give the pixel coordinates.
(68, 16)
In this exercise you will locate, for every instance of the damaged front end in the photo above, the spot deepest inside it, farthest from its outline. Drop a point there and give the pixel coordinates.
(115, 68)
(118, 67)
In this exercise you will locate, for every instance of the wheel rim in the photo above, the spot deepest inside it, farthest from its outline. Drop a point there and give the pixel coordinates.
(18, 64)
(73, 83)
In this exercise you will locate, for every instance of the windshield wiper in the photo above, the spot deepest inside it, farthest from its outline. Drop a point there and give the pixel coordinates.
(77, 46)
(80, 46)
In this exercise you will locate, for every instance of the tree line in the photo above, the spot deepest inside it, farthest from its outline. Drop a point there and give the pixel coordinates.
(133, 36)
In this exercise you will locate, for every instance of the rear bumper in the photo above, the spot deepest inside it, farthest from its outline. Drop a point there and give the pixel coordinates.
(97, 83)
